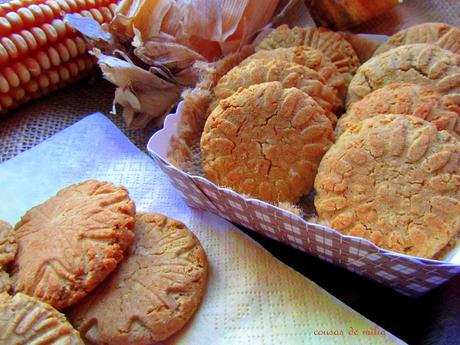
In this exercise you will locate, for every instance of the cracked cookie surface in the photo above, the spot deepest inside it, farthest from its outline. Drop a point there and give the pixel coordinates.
(153, 293)
(308, 57)
(71, 242)
(331, 43)
(288, 73)
(27, 320)
(266, 141)
(405, 99)
(441, 34)
(422, 64)
(394, 180)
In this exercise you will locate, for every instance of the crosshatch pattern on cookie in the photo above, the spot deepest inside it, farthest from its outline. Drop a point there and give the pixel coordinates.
(407, 275)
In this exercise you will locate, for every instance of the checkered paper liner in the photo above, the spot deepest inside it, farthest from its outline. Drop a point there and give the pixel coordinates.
(409, 275)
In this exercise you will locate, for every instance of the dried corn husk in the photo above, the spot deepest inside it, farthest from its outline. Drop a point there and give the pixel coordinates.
(209, 27)
(139, 91)
(160, 41)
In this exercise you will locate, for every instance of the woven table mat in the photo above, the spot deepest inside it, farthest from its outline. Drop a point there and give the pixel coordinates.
(31, 124)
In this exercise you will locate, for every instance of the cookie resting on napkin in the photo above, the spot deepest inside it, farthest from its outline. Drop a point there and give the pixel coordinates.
(251, 298)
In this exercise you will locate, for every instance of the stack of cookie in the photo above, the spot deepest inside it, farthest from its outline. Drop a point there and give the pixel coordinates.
(272, 117)
(393, 174)
(121, 278)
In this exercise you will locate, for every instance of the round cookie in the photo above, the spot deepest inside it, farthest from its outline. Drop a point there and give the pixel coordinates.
(71, 242)
(153, 293)
(308, 57)
(266, 141)
(440, 34)
(288, 73)
(422, 64)
(8, 245)
(404, 99)
(331, 43)
(394, 180)
(27, 320)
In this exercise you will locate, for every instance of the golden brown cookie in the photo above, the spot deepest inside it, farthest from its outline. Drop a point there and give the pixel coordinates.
(72, 241)
(394, 180)
(288, 73)
(405, 99)
(27, 320)
(308, 57)
(422, 64)
(153, 293)
(331, 43)
(441, 34)
(8, 246)
(266, 142)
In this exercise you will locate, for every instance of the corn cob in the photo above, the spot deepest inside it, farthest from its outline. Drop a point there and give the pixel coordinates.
(39, 52)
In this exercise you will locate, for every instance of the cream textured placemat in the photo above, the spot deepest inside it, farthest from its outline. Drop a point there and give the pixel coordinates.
(251, 299)
(31, 124)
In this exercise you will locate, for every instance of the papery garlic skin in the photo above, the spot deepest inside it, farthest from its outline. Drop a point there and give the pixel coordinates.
(142, 94)
(151, 48)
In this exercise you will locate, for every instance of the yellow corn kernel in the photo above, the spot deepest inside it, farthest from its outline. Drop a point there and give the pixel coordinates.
(18, 94)
(31, 42)
(27, 16)
(32, 66)
(39, 52)
(4, 85)
(10, 47)
(22, 72)
(6, 101)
